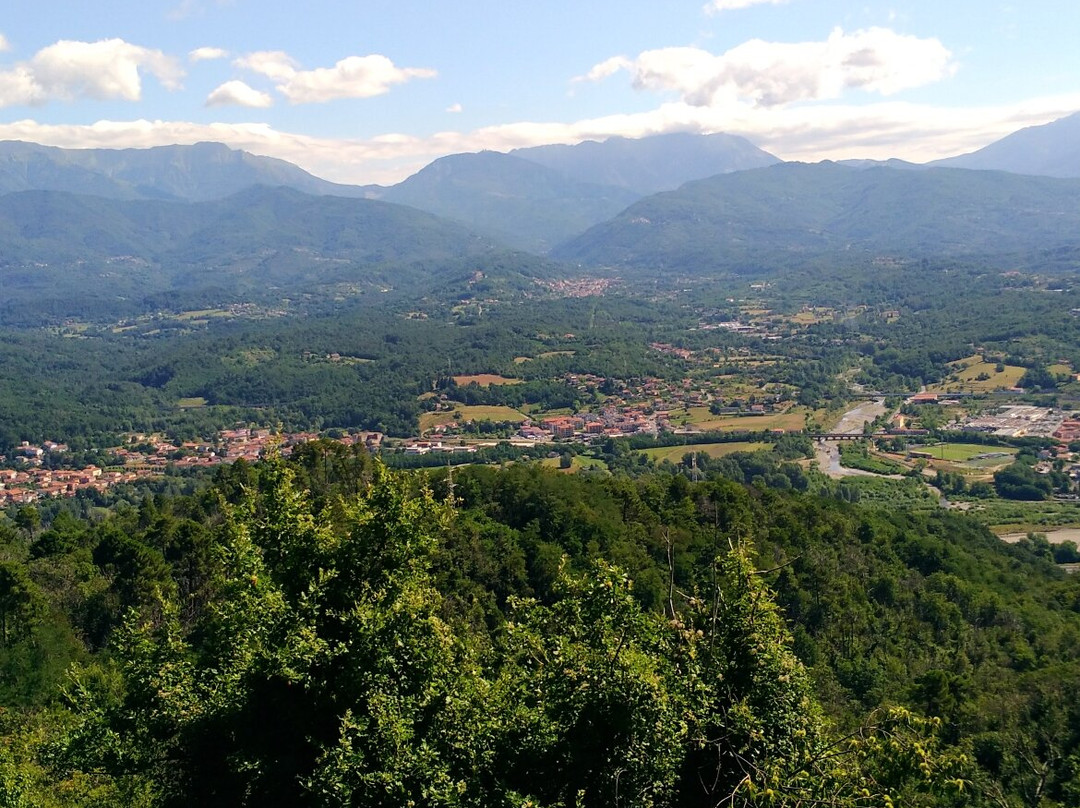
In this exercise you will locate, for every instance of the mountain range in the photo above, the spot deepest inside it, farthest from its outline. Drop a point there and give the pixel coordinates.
(649, 165)
(114, 230)
(520, 203)
(195, 173)
(749, 219)
(532, 199)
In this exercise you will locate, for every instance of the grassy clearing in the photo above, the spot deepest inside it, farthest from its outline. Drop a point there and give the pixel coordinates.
(969, 378)
(675, 453)
(701, 418)
(480, 412)
(893, 493)
(1010, 516)
(577, 463)
(191, 403)
(248, 357)
(853, 456)
(521, 360)
(812, 316)
(484, 380)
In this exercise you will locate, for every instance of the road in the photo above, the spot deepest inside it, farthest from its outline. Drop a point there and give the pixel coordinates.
(827, 453)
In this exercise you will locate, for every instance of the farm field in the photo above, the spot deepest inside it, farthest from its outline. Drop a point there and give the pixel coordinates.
(484, 380)
(201, 314)
(675, 453)
(966, 452)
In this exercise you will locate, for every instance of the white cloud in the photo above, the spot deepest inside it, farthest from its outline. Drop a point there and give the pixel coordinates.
(109, 68)
(184, 10)
(237, 93)
(4, 44)
(606, 69)
(352, 77)
(206, 54)
(454, 108)
(716, 6)
(771, 73)
(277, 65)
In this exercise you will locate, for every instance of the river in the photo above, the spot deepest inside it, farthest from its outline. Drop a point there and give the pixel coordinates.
(827, 452)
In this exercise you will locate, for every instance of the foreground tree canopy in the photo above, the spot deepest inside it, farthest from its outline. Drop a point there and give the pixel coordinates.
(527, 638)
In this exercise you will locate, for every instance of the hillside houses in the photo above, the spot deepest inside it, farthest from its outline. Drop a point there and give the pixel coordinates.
(143, 458)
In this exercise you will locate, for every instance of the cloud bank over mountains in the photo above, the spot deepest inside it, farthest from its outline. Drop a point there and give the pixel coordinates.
(841, 95)
(769, 74)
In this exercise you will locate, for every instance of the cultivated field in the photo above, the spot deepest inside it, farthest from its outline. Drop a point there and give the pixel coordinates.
(484, 380)
(967, 452)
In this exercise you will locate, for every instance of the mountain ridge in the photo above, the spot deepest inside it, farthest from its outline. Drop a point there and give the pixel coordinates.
(195, 173)
(651, 164)
(802, 209)
(1050, 150)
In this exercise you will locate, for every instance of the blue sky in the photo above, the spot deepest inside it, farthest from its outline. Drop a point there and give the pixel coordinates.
(372, 91)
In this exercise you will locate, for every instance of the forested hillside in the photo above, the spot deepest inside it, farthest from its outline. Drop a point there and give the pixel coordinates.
(324, 632)
(785, 215)
(67, 255)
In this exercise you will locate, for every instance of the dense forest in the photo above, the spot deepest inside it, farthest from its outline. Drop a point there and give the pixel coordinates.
(324, 631)
(89, 382)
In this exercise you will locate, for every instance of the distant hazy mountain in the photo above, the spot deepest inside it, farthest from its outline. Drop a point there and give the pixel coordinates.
(650, 164)
(190, 173)
(530, 200)
(516, 201)
(770, 216)
(1051, 150)
(892, 162)
(78, 255)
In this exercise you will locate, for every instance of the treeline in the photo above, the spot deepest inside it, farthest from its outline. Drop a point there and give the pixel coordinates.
(324, 632)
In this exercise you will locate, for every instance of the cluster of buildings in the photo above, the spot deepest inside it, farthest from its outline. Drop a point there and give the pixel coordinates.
(579, 287)
(19, 487)
(610, 422)
(28, 477)
(1023, 421)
